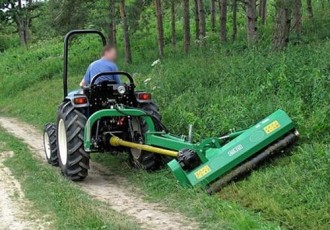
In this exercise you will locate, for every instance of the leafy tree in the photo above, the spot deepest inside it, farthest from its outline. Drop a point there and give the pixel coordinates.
(66, 15)
(21, 13)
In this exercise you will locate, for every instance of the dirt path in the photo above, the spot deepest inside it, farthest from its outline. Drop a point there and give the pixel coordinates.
(108, 187)
(13, 206)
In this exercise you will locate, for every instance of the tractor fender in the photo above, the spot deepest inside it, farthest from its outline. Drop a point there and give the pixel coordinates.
(77, 94)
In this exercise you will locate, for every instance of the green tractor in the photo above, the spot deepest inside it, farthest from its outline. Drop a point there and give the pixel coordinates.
(115, 118)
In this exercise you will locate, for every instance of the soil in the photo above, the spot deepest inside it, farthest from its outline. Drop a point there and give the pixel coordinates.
(13, 205)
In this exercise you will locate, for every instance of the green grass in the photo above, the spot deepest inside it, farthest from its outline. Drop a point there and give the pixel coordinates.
(65, 206)
(214, 89)
(293, 190)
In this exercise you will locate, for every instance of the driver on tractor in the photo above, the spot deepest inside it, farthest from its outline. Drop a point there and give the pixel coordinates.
(105, 64)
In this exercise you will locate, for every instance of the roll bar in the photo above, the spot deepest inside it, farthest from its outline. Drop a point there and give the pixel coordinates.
(66, 52)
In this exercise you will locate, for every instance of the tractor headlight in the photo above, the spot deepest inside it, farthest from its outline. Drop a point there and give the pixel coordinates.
(121, 89)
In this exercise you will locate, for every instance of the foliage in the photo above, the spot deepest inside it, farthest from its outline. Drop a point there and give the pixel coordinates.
(19, 14)
(67, 15)
(226, 88)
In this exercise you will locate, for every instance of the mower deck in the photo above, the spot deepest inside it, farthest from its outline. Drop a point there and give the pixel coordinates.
(204, 162)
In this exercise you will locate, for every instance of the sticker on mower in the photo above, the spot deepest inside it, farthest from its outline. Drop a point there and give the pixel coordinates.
(202, 172)
(235, 150)
(272, 127)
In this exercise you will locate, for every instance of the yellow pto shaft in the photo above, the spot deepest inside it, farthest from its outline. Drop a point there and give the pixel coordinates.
(116, 141)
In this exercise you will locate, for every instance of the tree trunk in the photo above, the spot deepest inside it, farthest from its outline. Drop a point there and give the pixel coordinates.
(115, 34)
(251, 21)
(310, 9)
(297, 15)
(173, 19)
(202, 22)
(213, 19)
(234, 35)
(127, 44)
(197, 31)
(186, 26)
(282, 26)
(27, 30)
(22, 17)
(263, 11)
(223, 20)
(112, 23)
(20, 22)
(160, 27)
(21, 33)
(28, 19)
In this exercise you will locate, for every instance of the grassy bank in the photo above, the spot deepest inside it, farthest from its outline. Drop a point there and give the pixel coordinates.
(65, 206)
(212, 212)
(215, 90)
(290, 193)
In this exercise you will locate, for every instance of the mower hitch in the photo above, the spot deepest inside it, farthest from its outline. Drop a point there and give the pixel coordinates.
(116, 141)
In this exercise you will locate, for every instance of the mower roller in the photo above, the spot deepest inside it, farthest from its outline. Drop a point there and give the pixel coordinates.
(114, 118)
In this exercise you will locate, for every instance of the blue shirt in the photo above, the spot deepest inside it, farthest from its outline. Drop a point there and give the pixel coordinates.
(101, 66)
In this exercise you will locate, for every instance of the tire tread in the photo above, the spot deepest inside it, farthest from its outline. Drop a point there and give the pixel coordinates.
(77, 165)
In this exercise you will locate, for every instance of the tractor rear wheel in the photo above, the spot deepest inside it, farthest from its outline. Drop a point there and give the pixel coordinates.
(139, 158)
(73, 160)
(152, 110)
(50, 144)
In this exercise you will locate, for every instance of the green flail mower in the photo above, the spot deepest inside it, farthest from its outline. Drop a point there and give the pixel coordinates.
(115, 118)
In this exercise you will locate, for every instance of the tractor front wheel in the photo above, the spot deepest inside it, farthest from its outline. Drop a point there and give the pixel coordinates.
(50, 144)
(73, 160)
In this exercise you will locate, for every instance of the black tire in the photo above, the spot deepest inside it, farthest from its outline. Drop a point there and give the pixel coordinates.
(73, 160)
(143, 159)
(50, 144)
(152, 110)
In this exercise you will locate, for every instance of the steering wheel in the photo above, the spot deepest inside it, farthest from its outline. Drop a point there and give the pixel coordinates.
(108, 82)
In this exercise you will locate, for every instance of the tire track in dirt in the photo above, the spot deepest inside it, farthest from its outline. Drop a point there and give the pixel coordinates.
(108, 187)
(13, 206)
